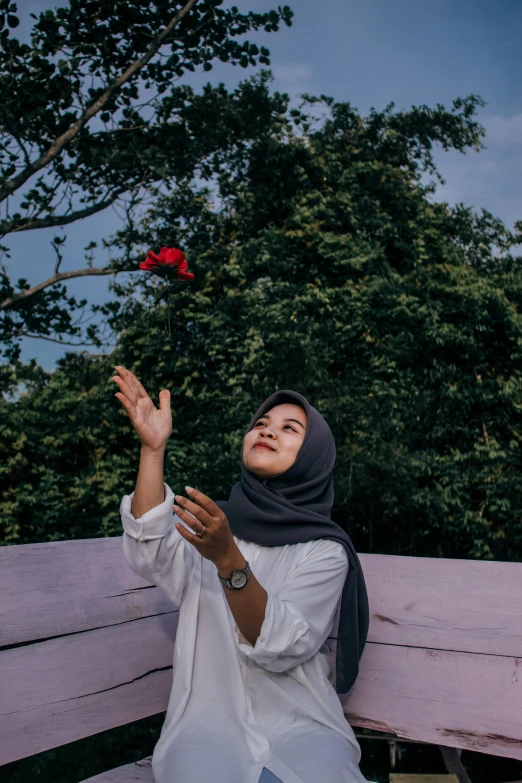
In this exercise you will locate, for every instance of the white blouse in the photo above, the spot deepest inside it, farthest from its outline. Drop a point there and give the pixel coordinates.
(235, 708)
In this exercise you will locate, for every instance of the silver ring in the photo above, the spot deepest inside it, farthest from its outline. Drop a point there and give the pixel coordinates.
(200, 534)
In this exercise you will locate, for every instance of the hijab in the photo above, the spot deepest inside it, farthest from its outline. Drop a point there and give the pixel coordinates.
(294, 507)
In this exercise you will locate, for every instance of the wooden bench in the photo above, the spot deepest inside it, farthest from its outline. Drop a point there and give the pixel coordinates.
(423, 779)
(86, 646)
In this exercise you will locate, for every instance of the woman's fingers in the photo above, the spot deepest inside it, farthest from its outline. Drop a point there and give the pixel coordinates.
(129, 407)
(128, 386)
(128, 397)
(126, 389)
(164, 400)
(200, 500)
(197, 511)
(123, 381)
(183, 514)
(132, 381)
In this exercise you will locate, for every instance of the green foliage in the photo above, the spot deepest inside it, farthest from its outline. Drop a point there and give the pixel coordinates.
(92, 118)
(322, 265)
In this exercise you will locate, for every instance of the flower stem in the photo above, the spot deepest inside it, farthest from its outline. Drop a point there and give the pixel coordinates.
(168, 313)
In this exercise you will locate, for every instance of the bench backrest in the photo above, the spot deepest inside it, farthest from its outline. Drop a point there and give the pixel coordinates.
(86, 645)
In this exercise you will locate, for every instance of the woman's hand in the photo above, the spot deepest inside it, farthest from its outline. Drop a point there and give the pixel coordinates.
(217, 542)
(152, 426)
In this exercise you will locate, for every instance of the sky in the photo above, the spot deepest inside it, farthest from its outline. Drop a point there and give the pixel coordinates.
(367, 52)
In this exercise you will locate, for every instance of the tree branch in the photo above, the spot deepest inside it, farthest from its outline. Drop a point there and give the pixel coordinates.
(133, 128)
(60, 220)
(51, 339)
(12, 301)
(12, 185)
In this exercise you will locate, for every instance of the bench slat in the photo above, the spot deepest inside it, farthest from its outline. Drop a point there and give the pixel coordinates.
(139, 771)
(461, 605)
(461, 700)
(61, 690)
(65, 587)
(416, 778)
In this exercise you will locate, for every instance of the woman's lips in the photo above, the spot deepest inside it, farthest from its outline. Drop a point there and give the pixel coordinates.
(262, 446)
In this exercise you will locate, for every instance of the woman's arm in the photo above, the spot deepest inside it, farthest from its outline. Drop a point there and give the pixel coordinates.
(153, 427)
(298, 616)
(154, 549)
(248, 605)
(152, 546)
(149, 490)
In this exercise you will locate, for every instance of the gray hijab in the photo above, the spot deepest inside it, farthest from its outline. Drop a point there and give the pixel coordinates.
(294, 507)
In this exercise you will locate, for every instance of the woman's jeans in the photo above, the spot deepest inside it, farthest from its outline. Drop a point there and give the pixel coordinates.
(268, 777)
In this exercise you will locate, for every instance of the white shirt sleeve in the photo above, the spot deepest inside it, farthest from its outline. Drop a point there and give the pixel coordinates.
(154, 549)
(298, 617)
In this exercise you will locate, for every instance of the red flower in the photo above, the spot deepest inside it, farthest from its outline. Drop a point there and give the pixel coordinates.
(170, 258)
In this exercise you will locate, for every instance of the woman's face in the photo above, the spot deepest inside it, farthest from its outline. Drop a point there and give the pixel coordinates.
(283, 428)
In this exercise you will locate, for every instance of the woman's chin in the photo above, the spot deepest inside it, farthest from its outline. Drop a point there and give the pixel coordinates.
(256, 467)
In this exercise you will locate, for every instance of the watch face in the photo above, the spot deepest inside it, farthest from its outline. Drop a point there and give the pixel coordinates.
(238, 579)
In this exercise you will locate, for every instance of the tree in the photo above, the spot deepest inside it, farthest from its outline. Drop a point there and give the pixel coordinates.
(91, 117)
(323, 265)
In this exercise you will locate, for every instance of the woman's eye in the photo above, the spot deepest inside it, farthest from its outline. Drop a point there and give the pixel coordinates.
(286, 425)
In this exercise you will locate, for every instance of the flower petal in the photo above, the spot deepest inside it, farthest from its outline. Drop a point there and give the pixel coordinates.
(148, 266)
(151, 256)
(171, 256)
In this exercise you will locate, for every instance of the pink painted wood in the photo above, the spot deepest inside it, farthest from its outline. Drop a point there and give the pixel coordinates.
(140, 771)
(443, 662)
(51, 590)
(97, 644)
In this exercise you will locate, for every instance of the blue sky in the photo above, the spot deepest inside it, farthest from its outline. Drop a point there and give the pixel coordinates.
(368, 52)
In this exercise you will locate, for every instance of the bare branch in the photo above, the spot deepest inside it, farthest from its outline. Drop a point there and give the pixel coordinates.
(12, 301)
(51, 339)
(133, 128)
(13, 184)
(60, 220)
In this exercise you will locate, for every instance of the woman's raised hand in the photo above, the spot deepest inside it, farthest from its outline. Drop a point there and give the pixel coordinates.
(153, 426)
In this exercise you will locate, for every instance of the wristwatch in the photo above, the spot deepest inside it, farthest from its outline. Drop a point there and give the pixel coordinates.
(237, 579)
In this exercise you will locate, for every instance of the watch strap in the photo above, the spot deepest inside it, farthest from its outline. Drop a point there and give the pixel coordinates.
(227, 582)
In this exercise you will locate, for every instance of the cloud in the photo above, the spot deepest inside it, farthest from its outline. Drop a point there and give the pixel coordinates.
(503, 130)
(292, 77)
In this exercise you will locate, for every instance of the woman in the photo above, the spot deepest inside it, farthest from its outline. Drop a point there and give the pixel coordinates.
(261, 581)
